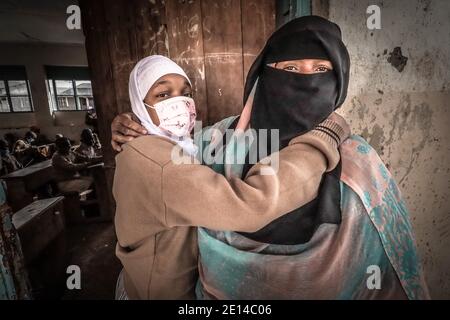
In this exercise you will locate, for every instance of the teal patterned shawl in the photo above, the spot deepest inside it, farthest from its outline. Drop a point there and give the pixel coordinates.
(370, 255)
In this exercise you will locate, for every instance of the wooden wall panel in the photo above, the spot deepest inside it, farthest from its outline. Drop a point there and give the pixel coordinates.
(258, 23)
(222, 43)
(185, 37)
(150, 28)
(117, 36)
(122, 49)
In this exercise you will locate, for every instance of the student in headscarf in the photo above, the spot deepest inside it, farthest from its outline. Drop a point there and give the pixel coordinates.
(354, 240)
(8, 163)
(26, 152)
(67, 168)
(158, 200)
(88, 150)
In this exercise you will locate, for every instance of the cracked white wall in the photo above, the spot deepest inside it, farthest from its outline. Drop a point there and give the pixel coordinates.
(405, 115)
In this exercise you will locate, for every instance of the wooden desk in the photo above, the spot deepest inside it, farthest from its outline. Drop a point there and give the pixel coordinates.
(22, 184)
(38, 224)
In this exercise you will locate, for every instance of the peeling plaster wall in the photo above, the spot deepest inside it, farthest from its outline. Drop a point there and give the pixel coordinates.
(405, 115)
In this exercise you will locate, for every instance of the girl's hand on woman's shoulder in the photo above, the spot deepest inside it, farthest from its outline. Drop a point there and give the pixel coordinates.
(124, 128)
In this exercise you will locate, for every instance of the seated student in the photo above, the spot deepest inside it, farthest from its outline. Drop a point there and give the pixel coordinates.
(97, 143)
(25, 152)
(30, 137)
(11, 139)
(60, 135)
(41, 139)
(91, 120)
(8, 163)
(18, 146)
(67, 169)
(88, 150)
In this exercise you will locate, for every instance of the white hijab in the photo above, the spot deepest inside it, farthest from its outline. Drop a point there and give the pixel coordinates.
(143, 76)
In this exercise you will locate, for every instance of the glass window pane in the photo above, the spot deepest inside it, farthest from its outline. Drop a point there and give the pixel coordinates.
(84, 92)
(2, 88)
(50, 87)
(21, 104)
(86, 103)
(4, 105)
(66, 103)
(18, 88)
(51, 96)
(84, 88)
(64, 87)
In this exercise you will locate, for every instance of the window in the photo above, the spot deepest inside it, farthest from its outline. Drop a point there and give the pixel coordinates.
(69, 88)
(15, 93)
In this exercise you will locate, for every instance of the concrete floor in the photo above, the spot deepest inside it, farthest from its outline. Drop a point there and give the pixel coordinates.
(92, 248)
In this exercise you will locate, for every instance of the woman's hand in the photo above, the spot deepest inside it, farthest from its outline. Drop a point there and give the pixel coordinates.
(124, 128)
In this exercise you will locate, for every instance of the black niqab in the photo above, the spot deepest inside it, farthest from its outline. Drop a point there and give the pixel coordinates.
(294, 104)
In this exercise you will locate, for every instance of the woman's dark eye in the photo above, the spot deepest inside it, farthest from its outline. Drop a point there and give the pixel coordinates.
(162, 95)
(291, 68)
(188, 94)
(322, 69)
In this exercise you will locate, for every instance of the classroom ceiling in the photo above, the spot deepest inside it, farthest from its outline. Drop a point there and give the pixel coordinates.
(32, 21)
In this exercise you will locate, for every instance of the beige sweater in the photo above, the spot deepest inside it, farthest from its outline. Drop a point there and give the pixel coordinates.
(158, 202)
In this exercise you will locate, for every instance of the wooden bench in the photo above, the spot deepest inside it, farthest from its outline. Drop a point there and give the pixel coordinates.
(42, 233)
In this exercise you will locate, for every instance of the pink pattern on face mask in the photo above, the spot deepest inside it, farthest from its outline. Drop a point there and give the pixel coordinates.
(192, 114)
(176, 115)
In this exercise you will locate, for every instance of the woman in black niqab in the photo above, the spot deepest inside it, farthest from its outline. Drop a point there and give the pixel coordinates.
(294, 103)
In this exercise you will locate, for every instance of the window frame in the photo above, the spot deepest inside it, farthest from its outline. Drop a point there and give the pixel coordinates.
(55, 92)
(8, 96)
(64, 73)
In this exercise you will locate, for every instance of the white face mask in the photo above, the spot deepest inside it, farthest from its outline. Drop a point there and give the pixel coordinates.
(176, 115)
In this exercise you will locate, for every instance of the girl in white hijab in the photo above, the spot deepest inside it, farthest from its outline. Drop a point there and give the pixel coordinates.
(175, 113)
